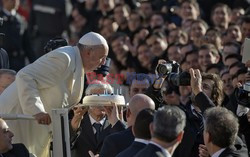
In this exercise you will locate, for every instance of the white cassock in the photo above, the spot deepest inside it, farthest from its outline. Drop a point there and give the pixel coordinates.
(53, 81)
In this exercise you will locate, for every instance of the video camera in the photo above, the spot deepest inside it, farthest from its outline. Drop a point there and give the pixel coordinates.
(242, 94)
(104, 69)
(54, 44)
(174, 76)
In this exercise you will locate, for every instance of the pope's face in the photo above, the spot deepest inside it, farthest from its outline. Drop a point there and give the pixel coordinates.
(96, 57)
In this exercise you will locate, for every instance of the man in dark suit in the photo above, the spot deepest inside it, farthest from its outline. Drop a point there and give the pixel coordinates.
(119, 141)
(90, 126)
(7, 149)
(166, 131)
(220, 132)
(141, 132)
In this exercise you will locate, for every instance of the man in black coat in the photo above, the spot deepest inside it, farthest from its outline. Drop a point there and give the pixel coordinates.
(119, 141)
(7, 149)
(18, 150)
(141, 132)
(166, 130)
(220, 132)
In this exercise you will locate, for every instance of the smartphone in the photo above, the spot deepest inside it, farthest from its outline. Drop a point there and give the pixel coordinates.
(246, 50)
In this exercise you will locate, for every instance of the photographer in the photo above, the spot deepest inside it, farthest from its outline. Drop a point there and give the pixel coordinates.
(207, 91)
(243, 107)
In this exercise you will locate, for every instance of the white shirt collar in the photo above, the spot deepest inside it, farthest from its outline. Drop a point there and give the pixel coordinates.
(92, 120)
(141, 140)
(7, 12)
(165, 151)
(217, 154)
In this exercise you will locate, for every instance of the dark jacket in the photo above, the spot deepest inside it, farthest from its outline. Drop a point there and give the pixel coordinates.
(239, 149)
(151, 151)
(19, 150)
(132, 150)
(116, 143)
(84, 140)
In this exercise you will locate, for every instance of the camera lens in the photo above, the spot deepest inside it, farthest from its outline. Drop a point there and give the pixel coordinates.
(164, 69)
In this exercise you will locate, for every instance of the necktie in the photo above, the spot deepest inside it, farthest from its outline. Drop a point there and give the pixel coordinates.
(97, 127)
(200, 117)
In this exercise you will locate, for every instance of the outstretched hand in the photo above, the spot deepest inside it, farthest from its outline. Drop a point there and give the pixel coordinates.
(78, 116)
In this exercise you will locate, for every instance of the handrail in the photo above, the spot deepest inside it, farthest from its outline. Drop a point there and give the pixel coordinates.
(16, 117)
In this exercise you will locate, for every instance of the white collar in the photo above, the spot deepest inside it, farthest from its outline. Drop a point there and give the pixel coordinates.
(92, 120)
(217, 154)
(141, 140)
(7, 12)
(165, 151)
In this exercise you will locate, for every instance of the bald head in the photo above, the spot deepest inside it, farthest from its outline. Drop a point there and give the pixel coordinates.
(137, 103)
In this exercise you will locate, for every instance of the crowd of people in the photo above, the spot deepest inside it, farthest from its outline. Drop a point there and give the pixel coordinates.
(162, 118)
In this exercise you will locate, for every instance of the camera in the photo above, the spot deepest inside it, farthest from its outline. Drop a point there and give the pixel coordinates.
(54, 44)
(174, 76)
(242, 94)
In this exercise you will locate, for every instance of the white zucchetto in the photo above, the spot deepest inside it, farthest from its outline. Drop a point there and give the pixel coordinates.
(92, 39)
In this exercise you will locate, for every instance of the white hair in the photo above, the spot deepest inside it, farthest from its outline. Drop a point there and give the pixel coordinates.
(98, 85)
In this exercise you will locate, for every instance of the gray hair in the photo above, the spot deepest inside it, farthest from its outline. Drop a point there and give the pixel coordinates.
(221, 125)
(98, 85)
(7, 71)
(169, 122)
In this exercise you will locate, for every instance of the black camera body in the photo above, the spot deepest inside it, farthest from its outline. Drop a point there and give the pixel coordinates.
(54, 44)
(174, 76)
(104, 69)
(242, 94)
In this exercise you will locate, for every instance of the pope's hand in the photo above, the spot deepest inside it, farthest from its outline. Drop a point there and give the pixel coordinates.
(43, 118)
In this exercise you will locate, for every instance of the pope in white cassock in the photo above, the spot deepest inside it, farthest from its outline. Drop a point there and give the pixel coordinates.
(55, 80)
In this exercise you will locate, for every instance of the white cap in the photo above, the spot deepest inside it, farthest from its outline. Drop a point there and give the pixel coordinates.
(92, 39)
